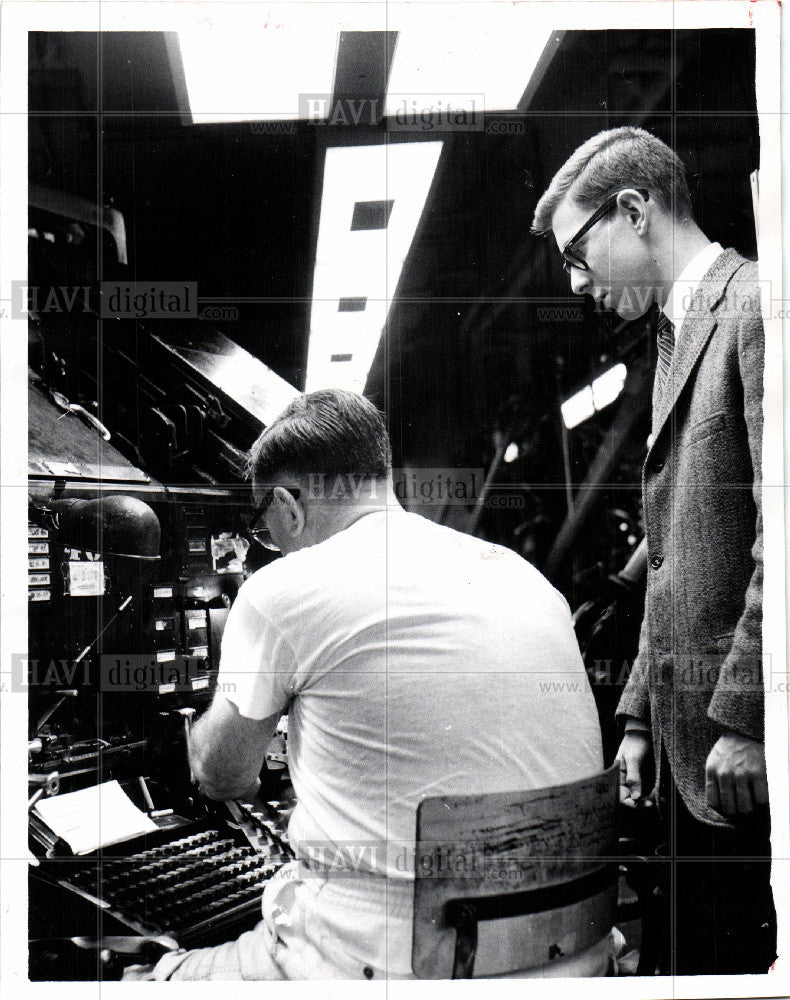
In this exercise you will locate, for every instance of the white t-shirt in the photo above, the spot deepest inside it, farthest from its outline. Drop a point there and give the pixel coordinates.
(413, 661)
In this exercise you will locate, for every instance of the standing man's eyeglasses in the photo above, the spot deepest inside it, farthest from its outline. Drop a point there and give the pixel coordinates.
(569, 255)
(257, 530)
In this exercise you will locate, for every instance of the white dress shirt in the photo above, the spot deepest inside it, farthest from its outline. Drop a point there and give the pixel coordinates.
(681, 295)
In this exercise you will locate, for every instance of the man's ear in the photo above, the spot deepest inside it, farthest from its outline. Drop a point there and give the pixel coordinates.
(634, 205)
(294, 514)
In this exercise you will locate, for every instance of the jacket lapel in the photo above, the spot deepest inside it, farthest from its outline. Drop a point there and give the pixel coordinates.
(692, 337)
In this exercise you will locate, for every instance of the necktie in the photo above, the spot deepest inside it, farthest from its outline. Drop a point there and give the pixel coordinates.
(665, 334)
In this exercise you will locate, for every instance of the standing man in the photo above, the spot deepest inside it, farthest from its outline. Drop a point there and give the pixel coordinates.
(412, 660)
(620, 212)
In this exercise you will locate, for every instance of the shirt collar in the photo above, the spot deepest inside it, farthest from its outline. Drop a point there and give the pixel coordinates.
(682, 292)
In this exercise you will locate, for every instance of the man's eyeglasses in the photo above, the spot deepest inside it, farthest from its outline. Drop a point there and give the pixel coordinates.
(570, 258)
(255, 528)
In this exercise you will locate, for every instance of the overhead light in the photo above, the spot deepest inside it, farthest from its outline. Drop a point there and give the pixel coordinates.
(607, 387)
(362, 263)
(592, 398)
(578, 408)
(441, 69)
(511, 452)
(248, 62)
(254, 75)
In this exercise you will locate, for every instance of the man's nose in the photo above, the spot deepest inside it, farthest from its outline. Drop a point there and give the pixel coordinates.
(580, 281)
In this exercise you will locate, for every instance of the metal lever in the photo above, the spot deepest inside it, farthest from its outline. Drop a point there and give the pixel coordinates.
(50, 785)
(126, 944)
(67, 406)
(188, 716)
(61, 697)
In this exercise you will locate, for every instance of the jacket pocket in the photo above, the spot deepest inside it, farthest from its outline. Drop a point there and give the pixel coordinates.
(706, 428)
(722, 643)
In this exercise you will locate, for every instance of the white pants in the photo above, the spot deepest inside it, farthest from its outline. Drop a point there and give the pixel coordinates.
(315, 927)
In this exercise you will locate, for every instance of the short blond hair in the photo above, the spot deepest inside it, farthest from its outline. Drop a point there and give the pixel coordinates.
(625, 157)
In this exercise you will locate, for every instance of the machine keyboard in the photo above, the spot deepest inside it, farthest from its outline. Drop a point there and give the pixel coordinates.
(185, 887)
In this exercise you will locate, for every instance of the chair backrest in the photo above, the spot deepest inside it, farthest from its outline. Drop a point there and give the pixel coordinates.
(506, 882)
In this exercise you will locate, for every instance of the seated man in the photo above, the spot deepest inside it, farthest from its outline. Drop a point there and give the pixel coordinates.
(413, 661)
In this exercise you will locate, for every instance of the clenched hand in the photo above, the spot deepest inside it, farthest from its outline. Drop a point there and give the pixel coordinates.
(632, 756)
(735, 775)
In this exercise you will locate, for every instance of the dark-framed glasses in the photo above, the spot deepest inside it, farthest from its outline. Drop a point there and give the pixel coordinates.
(255, 527)
(570, 258)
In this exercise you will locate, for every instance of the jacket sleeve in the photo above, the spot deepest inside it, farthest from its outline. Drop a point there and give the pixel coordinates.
(635, 699)
(738, 699)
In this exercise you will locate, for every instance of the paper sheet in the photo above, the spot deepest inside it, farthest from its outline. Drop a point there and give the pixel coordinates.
(94, 817)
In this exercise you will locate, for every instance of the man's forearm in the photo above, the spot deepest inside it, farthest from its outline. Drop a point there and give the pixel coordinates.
(219, 775)
(226, 791)
(226, 750)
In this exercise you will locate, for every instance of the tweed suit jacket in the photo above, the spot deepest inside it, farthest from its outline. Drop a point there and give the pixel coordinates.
(699, 666)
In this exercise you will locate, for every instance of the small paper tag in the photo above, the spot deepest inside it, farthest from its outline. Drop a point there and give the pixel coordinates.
(86, 579)
(62, 469)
